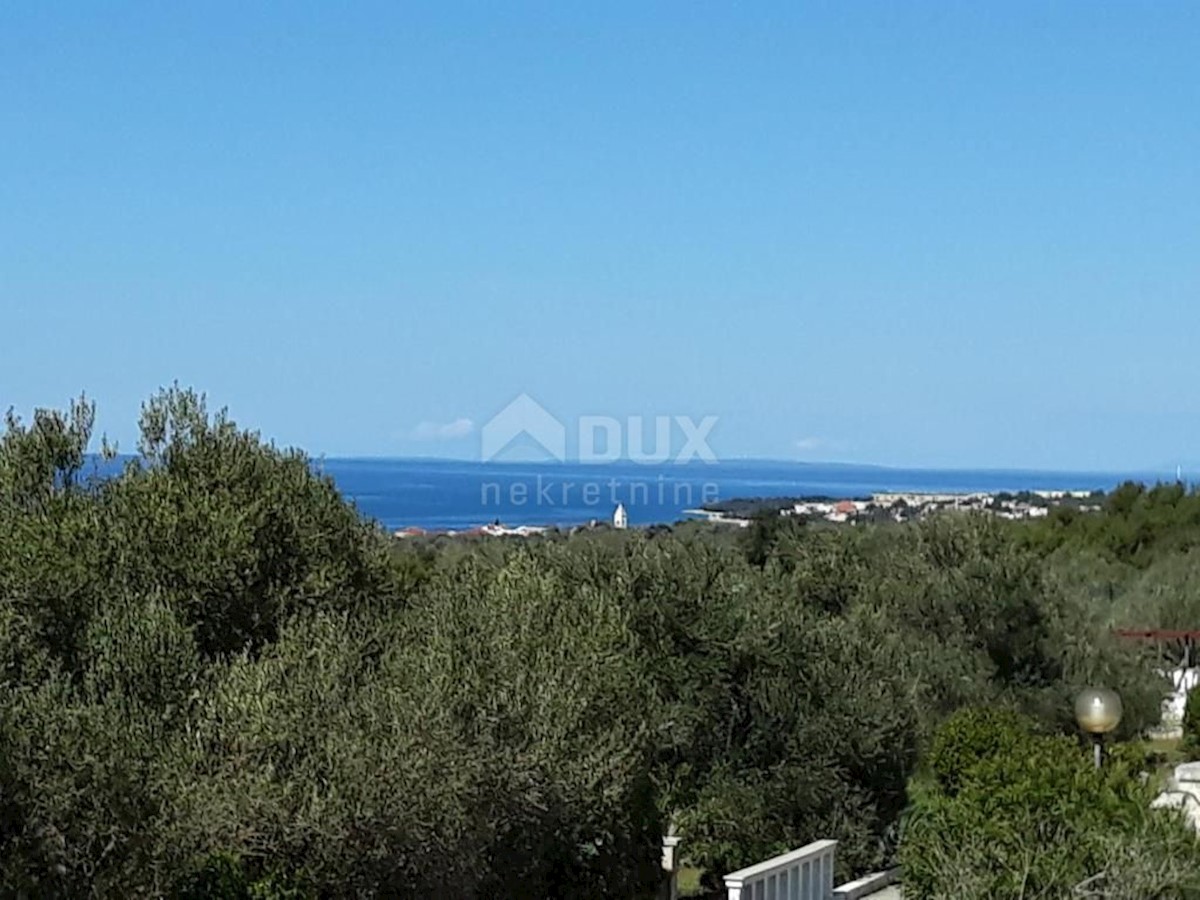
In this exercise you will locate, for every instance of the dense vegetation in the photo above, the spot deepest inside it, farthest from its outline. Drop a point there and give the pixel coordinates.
(1011, 812)
(218, 680)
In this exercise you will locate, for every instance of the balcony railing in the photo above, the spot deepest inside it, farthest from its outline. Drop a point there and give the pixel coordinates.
(804, 874)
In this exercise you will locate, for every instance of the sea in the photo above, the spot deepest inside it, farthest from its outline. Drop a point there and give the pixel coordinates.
(447, 495)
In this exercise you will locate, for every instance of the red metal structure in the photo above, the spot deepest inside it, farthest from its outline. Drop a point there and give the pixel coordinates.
(1185, 638)
(1157, 634)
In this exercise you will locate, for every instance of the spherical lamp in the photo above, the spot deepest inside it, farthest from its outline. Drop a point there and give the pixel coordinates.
(1098, 711)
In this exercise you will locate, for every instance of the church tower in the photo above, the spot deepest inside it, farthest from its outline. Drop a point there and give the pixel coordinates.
(620, 517)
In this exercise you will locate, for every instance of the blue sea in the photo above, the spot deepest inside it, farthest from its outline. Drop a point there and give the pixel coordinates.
(454, 495)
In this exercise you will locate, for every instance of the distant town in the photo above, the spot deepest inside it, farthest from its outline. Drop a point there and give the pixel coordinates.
(900, 507)
(877, 508)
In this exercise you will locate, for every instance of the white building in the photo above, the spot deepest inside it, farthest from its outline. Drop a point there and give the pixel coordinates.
(620, 517)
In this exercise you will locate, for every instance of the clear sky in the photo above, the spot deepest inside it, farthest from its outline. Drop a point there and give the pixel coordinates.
(943, 234)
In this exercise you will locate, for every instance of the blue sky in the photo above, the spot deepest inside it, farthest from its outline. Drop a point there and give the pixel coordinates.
(942, 234)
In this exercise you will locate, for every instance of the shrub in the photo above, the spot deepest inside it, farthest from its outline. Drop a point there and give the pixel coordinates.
(973, 735)
(1031, 817)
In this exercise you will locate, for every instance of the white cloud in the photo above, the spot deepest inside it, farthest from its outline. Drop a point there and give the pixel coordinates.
(808, 444)
(443, 431)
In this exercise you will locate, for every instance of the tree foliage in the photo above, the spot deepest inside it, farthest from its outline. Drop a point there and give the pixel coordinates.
(219, 680)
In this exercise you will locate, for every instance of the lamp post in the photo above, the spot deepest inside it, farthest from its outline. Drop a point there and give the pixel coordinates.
(1098, 711)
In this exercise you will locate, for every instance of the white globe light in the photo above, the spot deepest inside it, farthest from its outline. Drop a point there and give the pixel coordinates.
(1098, 710)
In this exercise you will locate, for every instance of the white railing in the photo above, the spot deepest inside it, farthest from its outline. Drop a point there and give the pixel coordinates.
(860, 888)
(804, 874)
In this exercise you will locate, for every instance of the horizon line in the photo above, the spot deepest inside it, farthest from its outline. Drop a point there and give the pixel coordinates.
(700, 464)
(1141, 473)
